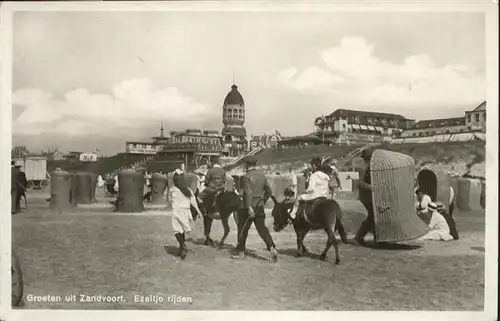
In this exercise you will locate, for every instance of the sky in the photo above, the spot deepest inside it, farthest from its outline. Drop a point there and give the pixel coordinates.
(85, 80)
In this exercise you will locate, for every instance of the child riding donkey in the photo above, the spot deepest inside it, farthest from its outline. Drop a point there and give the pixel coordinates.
(318, 187)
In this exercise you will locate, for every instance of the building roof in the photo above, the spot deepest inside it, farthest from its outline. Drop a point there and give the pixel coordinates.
(194, 132)
(481, 107)
(350, 112)
(437, 123)
(308, 138)
(144, 143)
(234, 97)
(234, 131)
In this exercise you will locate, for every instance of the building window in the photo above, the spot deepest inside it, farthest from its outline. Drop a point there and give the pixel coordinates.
(414, 134)
(477, 117)
(469, 118)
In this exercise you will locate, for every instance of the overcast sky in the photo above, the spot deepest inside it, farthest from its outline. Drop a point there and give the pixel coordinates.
(85, 80)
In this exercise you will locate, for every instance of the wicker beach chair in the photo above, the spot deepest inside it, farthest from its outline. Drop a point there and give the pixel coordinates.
(392, 177)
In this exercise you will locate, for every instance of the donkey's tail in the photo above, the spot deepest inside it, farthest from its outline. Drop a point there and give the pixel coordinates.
(340, 228)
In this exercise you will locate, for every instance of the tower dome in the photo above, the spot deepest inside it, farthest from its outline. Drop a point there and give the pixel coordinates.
(234, 97)
(233, 110)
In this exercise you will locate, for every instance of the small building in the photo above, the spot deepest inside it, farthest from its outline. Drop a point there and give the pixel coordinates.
(88, 157)
(475, 120)
(265, 141)
(56, 156)
(73, 156)
(433, 127)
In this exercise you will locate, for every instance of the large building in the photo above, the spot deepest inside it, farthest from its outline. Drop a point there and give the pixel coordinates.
(151, 147)
(361, 122)
(189, 147)
(192, 147)
(475, 120)
(233, 117)
(433, 127)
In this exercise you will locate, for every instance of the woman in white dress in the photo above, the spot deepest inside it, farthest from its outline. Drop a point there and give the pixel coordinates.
(182, 198)
(439, 229)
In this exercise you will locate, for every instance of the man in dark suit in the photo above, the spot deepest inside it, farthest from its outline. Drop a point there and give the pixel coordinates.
(214, 182)
(23, 184)
(15, 188)
(366, 198)
(256, 192)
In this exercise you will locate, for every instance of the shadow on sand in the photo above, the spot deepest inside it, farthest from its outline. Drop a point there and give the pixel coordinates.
(393, 246)
(293, 253)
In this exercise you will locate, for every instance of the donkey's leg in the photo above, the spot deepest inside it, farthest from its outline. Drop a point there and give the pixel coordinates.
(207, 226)
(298, 233)
(304, 249)
(235, 216)
(331, 241)
(225, 223)
(300, 242)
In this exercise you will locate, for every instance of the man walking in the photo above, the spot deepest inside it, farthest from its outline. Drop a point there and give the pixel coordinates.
(366, 198)
(22, 182)
(256, 192)
(15, 189)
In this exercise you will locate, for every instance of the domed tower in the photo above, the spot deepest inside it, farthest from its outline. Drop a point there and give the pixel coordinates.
(233, 118)
(233, 110)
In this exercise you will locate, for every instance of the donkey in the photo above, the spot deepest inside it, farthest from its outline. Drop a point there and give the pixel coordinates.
(321, 213)
(225, 203)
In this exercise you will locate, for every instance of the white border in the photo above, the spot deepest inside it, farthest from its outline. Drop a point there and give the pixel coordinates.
(490, 9)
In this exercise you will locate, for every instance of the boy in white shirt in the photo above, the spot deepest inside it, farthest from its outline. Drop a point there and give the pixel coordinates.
(423, 201)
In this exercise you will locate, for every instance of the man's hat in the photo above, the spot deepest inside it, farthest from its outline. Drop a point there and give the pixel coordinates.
(433, 206)
(366, 153)
(251, 160)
